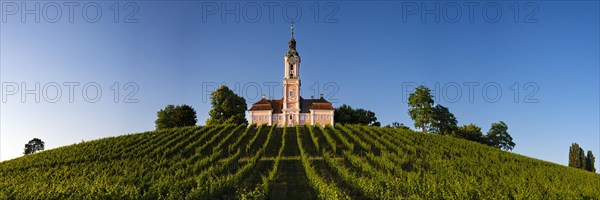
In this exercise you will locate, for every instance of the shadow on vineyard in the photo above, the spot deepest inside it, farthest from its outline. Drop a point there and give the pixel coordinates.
(239, 162)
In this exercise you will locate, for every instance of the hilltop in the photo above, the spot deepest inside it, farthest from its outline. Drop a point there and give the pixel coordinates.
(341, 162)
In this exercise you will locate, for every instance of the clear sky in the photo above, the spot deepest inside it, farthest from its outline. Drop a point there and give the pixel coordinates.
(532, 65)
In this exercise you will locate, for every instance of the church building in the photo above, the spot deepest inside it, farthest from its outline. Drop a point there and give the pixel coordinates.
(291, 109)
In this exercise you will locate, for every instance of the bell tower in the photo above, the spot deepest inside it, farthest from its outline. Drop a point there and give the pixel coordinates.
(291, 83)
(291, 109)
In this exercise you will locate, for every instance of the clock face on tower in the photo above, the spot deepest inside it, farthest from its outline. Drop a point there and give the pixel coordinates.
(292, 60)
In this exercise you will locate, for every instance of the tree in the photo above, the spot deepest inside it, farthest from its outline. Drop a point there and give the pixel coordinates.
(185, 116)
(347, 115)
(576, 157)
(33, 146)
(590, 160)
(397, 125)
(498, 136)
(175, 116)
(165, 118)
(227, 107)
(420, 109)
(470, 132)
(344, 115)
(444, 121)
(365, 117)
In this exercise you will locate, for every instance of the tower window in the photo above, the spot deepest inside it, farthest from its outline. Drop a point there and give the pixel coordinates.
(292, 93)
(291, 67)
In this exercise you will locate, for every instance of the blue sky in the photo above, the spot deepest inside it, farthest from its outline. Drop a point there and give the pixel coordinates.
(537, 70)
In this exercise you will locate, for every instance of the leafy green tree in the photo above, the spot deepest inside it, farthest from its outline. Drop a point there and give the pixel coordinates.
(444, 121)
(397, 125)
(165, 118)
(185, 116)
(420, 109)
(576, 156)
(590, 160)
(33, 146)
(227, 107)
(581, 157)
(347, 115)
(175, 116)
(366, 117)
(498, 136)
(470, 132)
(344, 115)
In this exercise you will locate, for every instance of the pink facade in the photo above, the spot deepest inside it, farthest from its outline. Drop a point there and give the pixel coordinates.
(291, 109)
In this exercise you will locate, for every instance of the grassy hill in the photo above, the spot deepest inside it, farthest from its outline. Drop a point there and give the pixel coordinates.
(231, 162)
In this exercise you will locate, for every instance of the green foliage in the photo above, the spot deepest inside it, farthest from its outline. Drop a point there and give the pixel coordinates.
(244, 162)
(329, 139)
(590, 160)
(440, 120)
(324, 189)
(576, 156)
(347, 115)
(227, 107)
(33, 146)
(498, 136)
(471, 132)
(397, 125)
(420, 108)
(444, 121)
(175, 116)
(262, 189)
(578, 159)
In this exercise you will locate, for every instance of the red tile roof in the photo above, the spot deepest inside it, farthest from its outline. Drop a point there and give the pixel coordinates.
(320, 104)
(305, 105)
(263, 104)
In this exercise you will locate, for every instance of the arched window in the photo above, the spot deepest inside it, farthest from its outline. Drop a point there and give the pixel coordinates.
(292, 93)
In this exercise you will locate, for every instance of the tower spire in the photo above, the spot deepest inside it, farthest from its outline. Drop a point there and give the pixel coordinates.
(292, 42)
(292, 29)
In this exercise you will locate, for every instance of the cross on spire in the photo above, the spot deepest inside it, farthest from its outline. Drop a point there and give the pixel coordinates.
(292, 29)
(292, 42)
